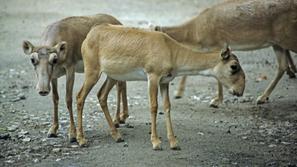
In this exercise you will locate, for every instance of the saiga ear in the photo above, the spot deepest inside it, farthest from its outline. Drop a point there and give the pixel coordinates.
(27, 47)
(61, 48)
(226, 53)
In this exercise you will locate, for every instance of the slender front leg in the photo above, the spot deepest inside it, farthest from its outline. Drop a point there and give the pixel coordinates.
(102, 97)
(282, 67)
(216, 101)
(55, 121)
(291, 69)
(153, 81)
(181, 88)
(70, 76)
(91, 77)
(166, 105)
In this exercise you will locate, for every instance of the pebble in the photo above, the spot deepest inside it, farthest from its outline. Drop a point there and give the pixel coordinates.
(12, 128)
(56, 150)
(23, 132)
(226, 160)
(10, 161)
(244, 137)
(74, 146)
(36, 160)
(26, 139)
(59, 159)
(271, 145)
(201, 133)
(285, 143)
(5, 136)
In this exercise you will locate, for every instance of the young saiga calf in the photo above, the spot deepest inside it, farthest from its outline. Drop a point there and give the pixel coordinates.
(129, 54)
(244, 25)
(59, 54)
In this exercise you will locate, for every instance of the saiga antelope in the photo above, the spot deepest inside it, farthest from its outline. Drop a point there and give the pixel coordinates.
(129, 54)
(59, 54)
(244, 25)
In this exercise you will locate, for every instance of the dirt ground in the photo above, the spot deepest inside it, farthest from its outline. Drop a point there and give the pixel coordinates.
(238, 133)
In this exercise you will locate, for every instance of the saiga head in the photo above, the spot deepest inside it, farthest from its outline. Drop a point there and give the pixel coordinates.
(230, 73)
(44, 60)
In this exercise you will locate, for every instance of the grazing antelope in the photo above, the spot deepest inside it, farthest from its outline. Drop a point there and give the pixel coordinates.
(244, 25)
(129, 54)
(58, 54)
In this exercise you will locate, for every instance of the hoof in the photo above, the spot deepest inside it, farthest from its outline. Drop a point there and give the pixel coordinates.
(156, 144)
(117, 125)
(261, 100)
(175, 148)
(82, 142)
(215, 102)
(291, 74)
(213, 105)
(117, 137)
(72, 140)
(157, 147)
(122, 121)
(120, 140)
(177, 97)
(52, 135)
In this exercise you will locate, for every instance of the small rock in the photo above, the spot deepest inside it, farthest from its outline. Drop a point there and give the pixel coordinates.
(26, 117)
(244, 137)
(10, 161)
(12, 128)
(58, 145)
(285, 143)
(26, 139)
(59, 159)
(226, 160)
(36, 160)
(23, 132)
(271, 145)
(126, 145)
(161, 113)
(25, 87)
(56, 150)
(45, 123)
(74, 146)
(201, 133)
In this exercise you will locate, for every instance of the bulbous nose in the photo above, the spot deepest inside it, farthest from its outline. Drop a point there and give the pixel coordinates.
(43, 93)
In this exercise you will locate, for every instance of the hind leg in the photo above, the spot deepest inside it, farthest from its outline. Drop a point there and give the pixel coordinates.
(179, 93)
(91, 78)
(282, 67)
(121, 117)
(291, 66)
(102, 97)
(166, 105)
